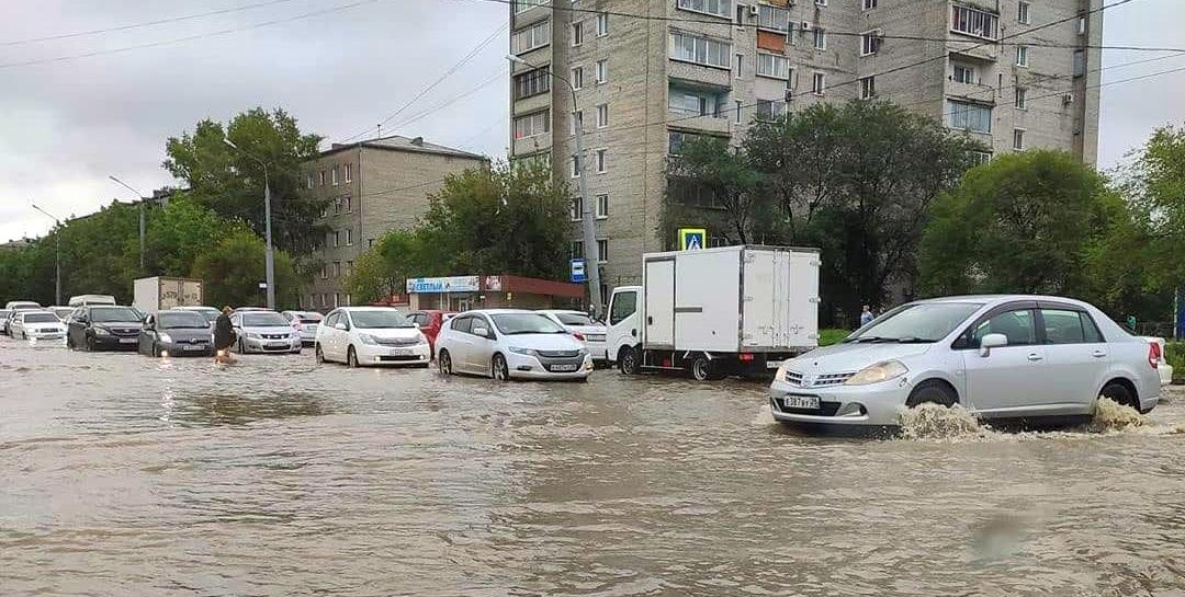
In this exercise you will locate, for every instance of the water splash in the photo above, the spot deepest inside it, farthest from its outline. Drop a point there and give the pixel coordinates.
(935, 421)
(1112, 416)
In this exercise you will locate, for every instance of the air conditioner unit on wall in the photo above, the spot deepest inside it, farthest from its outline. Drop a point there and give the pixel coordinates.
(1067, 99)
(753, 11)
(806, 25)
(789, 95)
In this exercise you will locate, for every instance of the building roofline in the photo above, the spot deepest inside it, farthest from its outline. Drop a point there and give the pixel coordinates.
(416, 145)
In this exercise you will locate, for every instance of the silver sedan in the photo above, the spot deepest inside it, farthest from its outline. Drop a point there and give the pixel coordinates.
(1008, 357)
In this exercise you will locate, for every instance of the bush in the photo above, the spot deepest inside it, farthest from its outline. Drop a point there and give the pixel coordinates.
(1174, 354)
(830, 336)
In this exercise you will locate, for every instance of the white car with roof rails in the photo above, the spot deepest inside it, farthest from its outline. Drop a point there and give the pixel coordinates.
(367, 336)
(587, 330)
(511, 344)
(1001, 357)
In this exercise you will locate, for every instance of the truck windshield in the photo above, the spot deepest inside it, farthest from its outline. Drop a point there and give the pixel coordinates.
(916, 323)
(115, 314)
(182, 320)
(525, 323)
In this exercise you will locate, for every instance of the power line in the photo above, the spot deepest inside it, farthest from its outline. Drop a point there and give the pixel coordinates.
(191, 37)
(190, 17)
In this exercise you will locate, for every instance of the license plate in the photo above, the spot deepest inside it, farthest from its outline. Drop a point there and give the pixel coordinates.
(193, 347)
(803, 402)
(400, 352)
(564, 367)
(129, 340)
(277, 345)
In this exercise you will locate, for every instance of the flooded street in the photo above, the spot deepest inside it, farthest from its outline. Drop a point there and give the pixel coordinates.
(124, 475)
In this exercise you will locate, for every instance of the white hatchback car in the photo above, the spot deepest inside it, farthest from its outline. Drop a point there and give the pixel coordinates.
(36, 325)
(1007, 357)
(591, 332)
(510, 343)
(359, 336)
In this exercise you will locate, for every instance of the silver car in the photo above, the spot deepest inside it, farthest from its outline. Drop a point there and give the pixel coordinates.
(264, 331)
(1008, 357)
(305, 323)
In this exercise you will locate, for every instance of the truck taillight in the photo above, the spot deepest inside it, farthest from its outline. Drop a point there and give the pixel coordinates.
(746, 357)
(1154, 355)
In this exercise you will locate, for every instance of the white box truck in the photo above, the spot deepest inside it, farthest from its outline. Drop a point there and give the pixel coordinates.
(716, 312)
(159, 293)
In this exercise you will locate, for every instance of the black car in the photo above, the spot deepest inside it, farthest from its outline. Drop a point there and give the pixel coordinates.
(176, 334)
(104, 327)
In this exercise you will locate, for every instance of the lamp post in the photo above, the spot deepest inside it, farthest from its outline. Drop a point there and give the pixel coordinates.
(588, 223)
(57, 255)
(141, 196)
(269, 256)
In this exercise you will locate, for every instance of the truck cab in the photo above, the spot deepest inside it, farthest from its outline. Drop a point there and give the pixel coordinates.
(623, 325)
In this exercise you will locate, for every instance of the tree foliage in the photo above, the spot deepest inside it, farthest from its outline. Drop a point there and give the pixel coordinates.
(710, 163)
(383, 269)
(234, 267)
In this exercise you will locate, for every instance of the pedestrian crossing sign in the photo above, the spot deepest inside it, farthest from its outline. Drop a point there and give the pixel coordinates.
(692, 239)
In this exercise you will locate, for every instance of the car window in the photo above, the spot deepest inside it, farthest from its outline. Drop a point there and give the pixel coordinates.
(40, 318)
(480, 321)
(574, 319)
(462, 324)
(624, 305)
(526, 323)
(1090, 330)
(179, 320)
(384, 319)
(1018, 326)
(263, 319)
(331, 319)
(1063, 327)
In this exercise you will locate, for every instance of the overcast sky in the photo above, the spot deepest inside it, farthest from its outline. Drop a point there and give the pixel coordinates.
(65, 125)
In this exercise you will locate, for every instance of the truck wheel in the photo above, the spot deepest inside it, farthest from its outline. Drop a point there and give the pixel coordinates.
(627, 360)
(701, 368)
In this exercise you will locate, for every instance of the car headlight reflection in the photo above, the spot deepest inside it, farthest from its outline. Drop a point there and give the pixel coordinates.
(883, 371)
(167, 339)
(526, 351)
(366, 339)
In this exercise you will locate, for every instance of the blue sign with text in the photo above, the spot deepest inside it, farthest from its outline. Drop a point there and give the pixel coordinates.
(578, 273)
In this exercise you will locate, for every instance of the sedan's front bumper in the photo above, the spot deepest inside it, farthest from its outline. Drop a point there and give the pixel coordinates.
(378, 355)
(291, 345)
(524, 366)
(113, 342)
(177, 349)
(875, 405)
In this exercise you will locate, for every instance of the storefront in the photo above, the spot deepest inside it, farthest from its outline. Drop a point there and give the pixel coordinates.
(462, 293)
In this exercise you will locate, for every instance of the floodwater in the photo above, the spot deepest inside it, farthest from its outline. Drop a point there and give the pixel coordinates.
(124, 475)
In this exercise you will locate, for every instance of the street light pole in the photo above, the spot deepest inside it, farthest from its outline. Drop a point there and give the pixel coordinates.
(269, 255)
(588, 222)
(142, 226)
(57, 237)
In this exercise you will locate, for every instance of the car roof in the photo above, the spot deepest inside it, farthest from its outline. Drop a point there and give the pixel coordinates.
(368, 308)
(500, 311)
(997, 299)
(194, 308)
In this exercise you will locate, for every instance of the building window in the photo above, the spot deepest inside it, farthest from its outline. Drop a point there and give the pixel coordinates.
(738, 66)
(325, 211)
(695, 102)
(1081, 25)
(322, 180)
(719, 8)
(334, 175)
(1022, 13)
(578, 77)
(602, 24)
(348, 203)
(739, 108)
(575, 166)
(1079, 63)
(309, 181)
(773, 18)
(602, 71)
(577, 248)
(349, 237)
(979, 158)
(700, 50)
(602, 165)
(1022, 98)
(676, 139)
(977, 23)
(770, 109)
(869, 4)
(337, 269)
(337, 238)
(820, 2)
(970, 117)
(867, 87)
(870, 43)
(349, 172)
(324, 272)
(535, 36)
(774, 66)
(577, 34)
(577, 121)
(1022, 56)
(531, 125)
(819, 84)
(525, 5)
(532, 83)
(337, 299)
(1018, 139)
(577, 209)
(964, 74)
(687, 192)
(602, 116)
(602, 206)
(603, 250)
(820, 38)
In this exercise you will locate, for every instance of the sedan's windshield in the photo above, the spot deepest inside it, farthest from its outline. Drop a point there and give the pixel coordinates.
(181, 320)
(41, 318)
(525, 323)
(114, 314)
(380, 320)
(208, 314)
(264, 319)
(575, 319)
(919, 322)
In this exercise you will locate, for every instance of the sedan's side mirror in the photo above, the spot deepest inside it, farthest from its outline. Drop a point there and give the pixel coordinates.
(339, 326)
(991, 341)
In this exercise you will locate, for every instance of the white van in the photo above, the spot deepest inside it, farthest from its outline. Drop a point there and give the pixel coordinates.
(83, 300)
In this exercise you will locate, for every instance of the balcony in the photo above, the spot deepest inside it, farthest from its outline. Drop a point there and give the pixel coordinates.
(698, 106)
(977, 92)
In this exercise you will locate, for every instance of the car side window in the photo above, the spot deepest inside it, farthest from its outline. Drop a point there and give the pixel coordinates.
(480, 321)
(462, 324)
(1090, 330)
(344, 317)
(624, 305)
(1063, 327)
(331, 320)
(1018, 326)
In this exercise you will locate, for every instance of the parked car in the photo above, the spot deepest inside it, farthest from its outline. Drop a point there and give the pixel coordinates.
(4, 316)
(430, 321)
(508, 343)
(176, 333)
(591, 332)
(18, 305)
(63, 313)
(260, 330)
(1008, 357)
(100, 327)
(359, 336)
(209, 313)
(84, 300)
(37, 325)
(1165, 369)
(305, 323)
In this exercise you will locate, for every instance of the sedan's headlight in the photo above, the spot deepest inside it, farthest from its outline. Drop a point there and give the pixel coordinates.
(421, 339)
(167, 339)
(781, 374)
(366, 339)
(102, 331)
(253, 335)
(877, 373)
(526, 351)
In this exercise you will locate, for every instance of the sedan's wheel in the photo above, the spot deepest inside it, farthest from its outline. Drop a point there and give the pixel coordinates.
(501, 370)
(445, 362)
(627, 359)
(932, 392)
(701, 368)
(319, 355)
(1120, 394)
(351, 358)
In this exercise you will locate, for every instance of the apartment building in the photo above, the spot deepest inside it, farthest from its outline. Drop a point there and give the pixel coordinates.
(373, 187)
(710, 67)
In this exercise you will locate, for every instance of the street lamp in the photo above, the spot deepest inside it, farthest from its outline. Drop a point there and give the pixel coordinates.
(588, 223)
(141, 196)
(269, 259)
(57, 255)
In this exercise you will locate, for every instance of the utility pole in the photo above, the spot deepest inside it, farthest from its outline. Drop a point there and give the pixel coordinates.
(57, 237)
(142, 222)
(269, 256)
(588, 204)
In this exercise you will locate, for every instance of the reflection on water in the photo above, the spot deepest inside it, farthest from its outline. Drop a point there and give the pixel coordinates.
(124, 475)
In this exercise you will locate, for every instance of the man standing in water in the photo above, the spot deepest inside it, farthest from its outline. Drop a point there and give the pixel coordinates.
(224, 336)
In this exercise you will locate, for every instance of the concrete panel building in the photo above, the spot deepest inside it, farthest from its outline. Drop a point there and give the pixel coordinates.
(1014, 74)
(373, 187)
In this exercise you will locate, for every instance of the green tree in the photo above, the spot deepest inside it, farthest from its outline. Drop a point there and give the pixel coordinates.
(383, 269)
(1157, 186)
(233, 269)
(721, 173)
(231, 182)
(178, 233)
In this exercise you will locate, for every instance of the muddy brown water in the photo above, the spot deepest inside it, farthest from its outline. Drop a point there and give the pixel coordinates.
(124, 475)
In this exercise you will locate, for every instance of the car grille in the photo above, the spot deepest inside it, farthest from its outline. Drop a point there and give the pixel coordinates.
(124, 331)
(559, 354)
(397, 341)
(274, 336)
(398, 357)
(818, 381)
